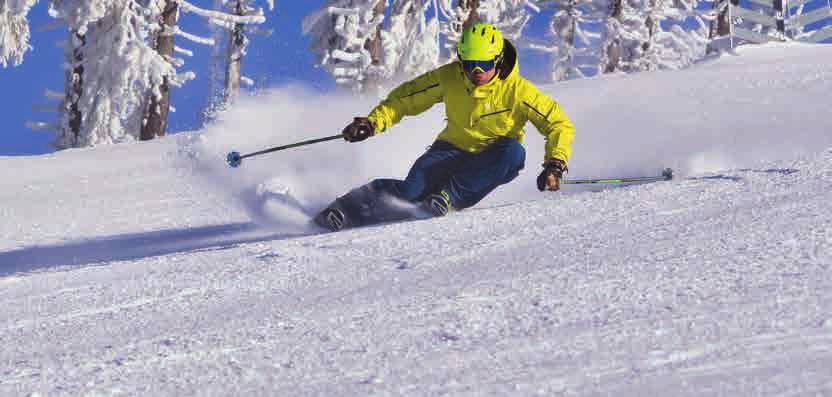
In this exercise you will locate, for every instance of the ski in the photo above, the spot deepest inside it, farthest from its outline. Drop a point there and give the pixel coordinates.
(667, 174)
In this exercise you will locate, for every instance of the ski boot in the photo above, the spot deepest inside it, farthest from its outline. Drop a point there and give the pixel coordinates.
(331, 218)
(437, 204)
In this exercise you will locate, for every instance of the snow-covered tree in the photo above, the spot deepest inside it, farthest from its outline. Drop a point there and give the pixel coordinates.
(427, 24)
(678, 34)
(457, 14)
(156, 117)
(510, 16)
(575, 37)
(119, 64)
(110, 69)
(235, 50)
(410, 44)
(231, 44)
(720, 25)
(70, 127)
(14, 30)
(634, 35)
(645, 35)
(790, 12)
(420, 35)
(624, 35)
(346, 38)
(567, 26)
(232, 20)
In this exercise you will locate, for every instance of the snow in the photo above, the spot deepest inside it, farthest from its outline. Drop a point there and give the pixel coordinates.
(256, 18)
(194, 38)
(154, 269)
(183, 51)
(14, 31)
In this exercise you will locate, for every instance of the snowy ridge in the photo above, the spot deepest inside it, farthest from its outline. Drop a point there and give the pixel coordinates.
(153, 276)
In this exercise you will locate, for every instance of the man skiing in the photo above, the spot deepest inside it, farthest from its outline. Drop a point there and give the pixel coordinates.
(487, 104)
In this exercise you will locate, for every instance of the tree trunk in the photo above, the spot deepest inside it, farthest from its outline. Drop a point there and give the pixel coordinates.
(156, 120)
(216, 72)
(471, 6)
(613, 50)
(74, 90)
(652, 23)
(721, 26)
(570, 34)
(373, 45)
(236, 45)
(569, 40)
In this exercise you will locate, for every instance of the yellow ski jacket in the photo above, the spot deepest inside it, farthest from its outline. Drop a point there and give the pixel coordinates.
(478, 116)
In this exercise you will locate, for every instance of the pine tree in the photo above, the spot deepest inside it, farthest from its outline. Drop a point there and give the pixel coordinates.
(14, 31)
(459, 14)
(231, 44)
(156, 119)
(119, 64)
(347, 35)
(635, 35)
(109, 71)
(617, 48)
(577, 46)
(410, 44)
(74, 83)
(346, 40)
(510, 16)
(374, 47)
(678, 34)
(237, 43)
(720, 26)
(566, 27)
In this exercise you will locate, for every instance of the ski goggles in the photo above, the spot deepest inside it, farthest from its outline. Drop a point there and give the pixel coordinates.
(483, 66)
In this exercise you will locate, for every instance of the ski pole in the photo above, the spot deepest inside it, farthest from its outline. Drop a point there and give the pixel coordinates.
(235, 158)
(666, 175)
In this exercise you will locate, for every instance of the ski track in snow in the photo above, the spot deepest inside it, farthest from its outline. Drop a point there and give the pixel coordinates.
(137, 280)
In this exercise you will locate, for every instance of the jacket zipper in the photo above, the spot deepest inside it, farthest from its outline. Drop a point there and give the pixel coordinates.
(420, 91)
(493, 113)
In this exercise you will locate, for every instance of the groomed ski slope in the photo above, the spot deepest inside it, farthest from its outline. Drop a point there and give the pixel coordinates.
(153, 269)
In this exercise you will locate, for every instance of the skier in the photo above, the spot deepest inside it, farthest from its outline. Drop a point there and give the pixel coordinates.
(487, 104)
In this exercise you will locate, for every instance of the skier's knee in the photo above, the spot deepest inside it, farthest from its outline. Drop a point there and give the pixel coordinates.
(383, 184)
(515, 155)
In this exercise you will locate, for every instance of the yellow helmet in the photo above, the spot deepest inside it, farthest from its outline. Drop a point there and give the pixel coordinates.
(480, 42)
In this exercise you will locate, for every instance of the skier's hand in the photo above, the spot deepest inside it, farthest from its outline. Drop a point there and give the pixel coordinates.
(549, 178)
(360, 129)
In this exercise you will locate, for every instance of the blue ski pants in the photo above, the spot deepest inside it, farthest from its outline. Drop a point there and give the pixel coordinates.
(466, 177)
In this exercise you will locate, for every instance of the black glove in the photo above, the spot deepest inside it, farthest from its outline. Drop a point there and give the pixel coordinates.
(360, 129)
(549, 179)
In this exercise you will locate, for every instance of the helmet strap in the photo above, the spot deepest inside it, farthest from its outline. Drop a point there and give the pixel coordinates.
(498, 63)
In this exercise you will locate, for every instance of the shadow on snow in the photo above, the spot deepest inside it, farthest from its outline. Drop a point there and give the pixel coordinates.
(133, 246)
(157, 243)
